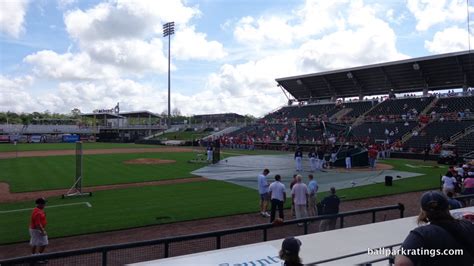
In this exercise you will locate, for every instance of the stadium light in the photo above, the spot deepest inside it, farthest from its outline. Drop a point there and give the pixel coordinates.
(168, 30)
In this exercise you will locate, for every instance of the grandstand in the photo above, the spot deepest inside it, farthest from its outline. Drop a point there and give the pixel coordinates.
(410, 102)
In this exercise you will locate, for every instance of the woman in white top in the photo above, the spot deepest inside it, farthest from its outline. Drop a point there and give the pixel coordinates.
(449, 183)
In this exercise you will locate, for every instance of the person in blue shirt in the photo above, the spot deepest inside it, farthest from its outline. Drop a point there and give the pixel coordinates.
(312, 189)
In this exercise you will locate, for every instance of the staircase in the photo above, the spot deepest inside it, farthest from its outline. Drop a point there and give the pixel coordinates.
(222, 132)
(340, 114)
(461, 134)
(361, 118)
(429, 106)
(408, 135)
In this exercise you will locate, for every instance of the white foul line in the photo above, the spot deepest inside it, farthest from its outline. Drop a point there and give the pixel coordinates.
(54, 206)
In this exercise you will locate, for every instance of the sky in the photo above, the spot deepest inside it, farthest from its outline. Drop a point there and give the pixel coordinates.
(57, 55)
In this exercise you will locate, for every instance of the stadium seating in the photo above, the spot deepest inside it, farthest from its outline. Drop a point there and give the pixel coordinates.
(401, 106)
(437, 131)
(465, 144)
(454, 104)
(377, 130)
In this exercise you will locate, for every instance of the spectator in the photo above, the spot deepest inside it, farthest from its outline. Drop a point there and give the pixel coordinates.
(39, 237)
(312, 189)
(449, 182)
(299, 195)
(441, 232)
(263, 191)
(278, 197)
(289, 252)
(293, 182)
(372, 156)
(453, 203)
(329, 205)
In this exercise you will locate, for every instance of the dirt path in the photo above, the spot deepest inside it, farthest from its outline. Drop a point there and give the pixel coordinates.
(7, 196)
(7, 155)
(191, 227)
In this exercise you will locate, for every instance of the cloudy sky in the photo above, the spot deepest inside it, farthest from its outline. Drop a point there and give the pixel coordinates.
(57, 55)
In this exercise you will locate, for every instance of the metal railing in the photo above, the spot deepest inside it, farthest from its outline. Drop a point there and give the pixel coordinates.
(391, 258)
(161, 247)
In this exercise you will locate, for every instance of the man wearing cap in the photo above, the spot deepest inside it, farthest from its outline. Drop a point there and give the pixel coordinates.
(289, 252)
(441, 233)
(278, 196)
(39, 238)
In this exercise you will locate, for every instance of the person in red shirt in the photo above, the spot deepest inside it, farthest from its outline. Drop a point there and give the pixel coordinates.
(39, 237)
(372, 156)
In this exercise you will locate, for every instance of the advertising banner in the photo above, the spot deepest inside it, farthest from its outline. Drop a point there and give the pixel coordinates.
(35, 138)
(71, 138)
(4, 138)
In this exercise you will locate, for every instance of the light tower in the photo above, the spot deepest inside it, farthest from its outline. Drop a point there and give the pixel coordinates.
(168, 30)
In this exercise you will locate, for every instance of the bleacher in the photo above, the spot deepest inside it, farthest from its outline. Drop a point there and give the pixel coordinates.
(400, 106)
(437, 130)
(465, 144)
(359, 108)
(377, 130)
(454, 105)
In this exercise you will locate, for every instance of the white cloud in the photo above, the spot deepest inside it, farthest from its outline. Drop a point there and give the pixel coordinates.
(63, 4)
(128, 34)
(14, 95)
(344, 37)
(451, 39)
(12, 17)
(189, 44)
(429, 13)
(68, 66)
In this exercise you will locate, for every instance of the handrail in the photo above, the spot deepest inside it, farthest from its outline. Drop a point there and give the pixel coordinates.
(217, 234)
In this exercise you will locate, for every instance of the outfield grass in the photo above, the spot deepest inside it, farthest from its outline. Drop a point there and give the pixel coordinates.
(7, 147)
(54, 172)
(133, 207)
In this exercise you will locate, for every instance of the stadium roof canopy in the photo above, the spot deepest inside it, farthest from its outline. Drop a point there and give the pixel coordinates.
(102, 115)
(438, 72)
(143, 114)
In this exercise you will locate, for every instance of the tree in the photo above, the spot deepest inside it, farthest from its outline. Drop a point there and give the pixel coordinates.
(76, 113)
(175, 112)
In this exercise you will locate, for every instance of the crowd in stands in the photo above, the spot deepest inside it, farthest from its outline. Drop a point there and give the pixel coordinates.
(424, 121)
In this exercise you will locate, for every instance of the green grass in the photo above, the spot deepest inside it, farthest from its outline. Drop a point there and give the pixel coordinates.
(133, 207)
(232, 152)
(183, 135)
(69, 146)
(54, 172)
(430, 179)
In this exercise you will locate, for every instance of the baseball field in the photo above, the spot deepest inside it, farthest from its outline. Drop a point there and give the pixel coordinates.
(138, 185)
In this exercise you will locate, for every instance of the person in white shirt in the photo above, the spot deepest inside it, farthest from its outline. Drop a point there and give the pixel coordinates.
(277, 192)
(299, 195)
(449, 183)
(263, 192)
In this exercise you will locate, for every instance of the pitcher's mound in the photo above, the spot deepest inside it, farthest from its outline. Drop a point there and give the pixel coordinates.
(148, 161)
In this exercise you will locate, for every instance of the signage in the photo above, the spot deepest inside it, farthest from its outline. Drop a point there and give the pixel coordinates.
(114, 110)
(263, 255)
